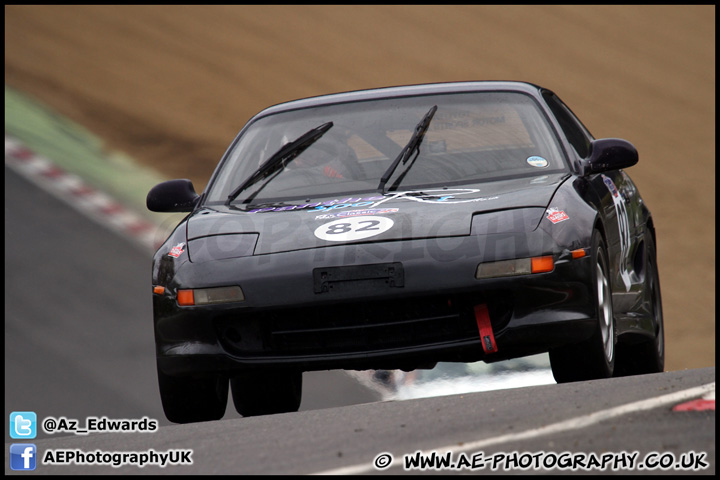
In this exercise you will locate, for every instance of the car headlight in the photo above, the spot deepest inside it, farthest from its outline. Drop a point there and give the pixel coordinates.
(209, 296)
(520, 266)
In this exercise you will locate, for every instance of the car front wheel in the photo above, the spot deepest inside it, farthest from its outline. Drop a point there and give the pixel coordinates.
(266, 393)
(595, 357)
(191, 399)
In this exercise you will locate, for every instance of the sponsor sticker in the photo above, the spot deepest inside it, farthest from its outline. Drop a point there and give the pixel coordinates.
(177, 250)
(556, 215)
(357, 213)
(623, 220)
(610, 185)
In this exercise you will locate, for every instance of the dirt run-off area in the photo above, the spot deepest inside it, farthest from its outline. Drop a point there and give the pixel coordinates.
(172, 85)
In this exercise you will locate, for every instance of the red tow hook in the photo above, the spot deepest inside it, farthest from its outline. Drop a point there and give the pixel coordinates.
(482, 317)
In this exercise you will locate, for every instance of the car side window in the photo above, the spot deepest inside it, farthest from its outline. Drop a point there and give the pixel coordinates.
(574, 131)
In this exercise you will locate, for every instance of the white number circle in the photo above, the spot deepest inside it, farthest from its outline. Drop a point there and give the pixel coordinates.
(355, 228)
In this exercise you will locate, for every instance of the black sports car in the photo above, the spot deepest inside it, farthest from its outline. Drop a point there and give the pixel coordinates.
(395, 228)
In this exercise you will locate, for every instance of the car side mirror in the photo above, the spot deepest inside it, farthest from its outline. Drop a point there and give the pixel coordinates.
(172, 196)
(611, 154)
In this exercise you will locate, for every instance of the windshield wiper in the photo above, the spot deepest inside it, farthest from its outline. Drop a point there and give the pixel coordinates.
(413, 146)
(277, 162)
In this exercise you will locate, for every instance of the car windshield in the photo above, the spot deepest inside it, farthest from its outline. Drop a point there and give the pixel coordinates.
(471, 138)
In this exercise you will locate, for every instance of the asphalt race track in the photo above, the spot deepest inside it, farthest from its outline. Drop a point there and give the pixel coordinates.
(78, 344)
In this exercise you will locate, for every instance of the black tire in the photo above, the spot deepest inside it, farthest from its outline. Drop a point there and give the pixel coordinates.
(266, 393)
(648, 356)
(595, 357)
(190, 399)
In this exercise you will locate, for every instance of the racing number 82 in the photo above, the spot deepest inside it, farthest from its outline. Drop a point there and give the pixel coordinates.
(351, 229)
(339, 228)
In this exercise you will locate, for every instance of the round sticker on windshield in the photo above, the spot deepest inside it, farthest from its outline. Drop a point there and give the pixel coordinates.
(355, 228)
(539, 162)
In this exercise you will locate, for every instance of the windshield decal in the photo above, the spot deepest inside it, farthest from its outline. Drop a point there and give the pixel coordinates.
(364, 202)
(536, 161)
(443, 196)
(351, 229)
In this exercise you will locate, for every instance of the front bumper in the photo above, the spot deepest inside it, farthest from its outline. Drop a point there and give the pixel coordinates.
(288, 322)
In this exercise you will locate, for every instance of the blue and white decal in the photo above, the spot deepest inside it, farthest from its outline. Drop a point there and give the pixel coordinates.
(536, 161)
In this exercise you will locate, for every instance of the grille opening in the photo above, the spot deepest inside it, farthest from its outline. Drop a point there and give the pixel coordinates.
(358, 326)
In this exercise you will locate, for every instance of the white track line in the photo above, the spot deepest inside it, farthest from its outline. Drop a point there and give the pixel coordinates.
(563, 426)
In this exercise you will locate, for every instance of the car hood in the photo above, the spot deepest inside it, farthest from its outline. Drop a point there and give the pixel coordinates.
(370, 217)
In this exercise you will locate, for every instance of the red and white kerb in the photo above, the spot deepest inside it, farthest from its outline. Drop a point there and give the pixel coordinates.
(78, 194)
